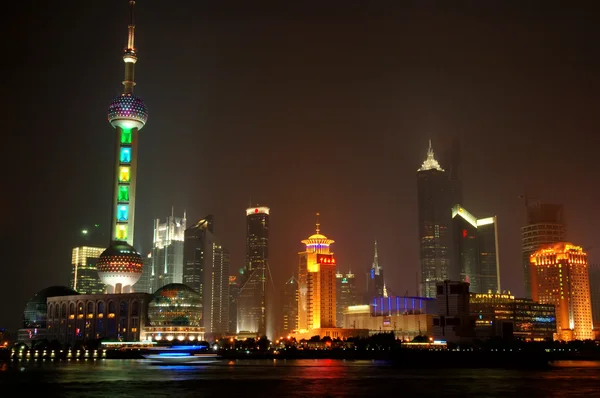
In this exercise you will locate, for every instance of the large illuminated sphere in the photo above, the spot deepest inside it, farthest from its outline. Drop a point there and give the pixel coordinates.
(36, 309)
(175, 304)
(120, 264)
(127, 111)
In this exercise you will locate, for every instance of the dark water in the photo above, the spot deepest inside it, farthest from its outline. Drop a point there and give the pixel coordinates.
(291, 378)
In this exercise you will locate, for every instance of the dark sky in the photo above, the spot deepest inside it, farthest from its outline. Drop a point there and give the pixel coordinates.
(300, 106)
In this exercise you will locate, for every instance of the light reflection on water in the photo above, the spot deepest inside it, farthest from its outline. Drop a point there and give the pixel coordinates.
(293, 378)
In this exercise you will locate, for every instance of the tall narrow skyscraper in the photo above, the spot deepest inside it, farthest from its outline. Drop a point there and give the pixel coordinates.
(290, 306)
(252, 294)
(345, 295)
(196, 239)
(167, 251)
(375, 282)
(545, 225)
(476, 250)
(217, 298)
(434, 204)
(560, 276)
(120, 266)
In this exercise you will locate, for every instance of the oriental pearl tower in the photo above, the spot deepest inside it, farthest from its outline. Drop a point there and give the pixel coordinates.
(120, 266)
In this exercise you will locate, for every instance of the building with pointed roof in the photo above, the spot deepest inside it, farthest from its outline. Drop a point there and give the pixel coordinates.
(434, 217)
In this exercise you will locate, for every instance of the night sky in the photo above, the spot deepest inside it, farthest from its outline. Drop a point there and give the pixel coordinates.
(300, 106)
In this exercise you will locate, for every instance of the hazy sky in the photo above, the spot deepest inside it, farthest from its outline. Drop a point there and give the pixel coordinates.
(301, 107)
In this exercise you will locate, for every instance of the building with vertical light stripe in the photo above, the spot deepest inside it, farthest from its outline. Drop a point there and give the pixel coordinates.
(561, 277)
(84, 274)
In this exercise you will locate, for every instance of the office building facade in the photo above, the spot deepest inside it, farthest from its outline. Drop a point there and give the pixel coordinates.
(253, 287)
(84, 273)
(346, 295)
(434, 217)
(290, 306)
(167, 252)
(561, 278)
(475, 250)
(546, 225)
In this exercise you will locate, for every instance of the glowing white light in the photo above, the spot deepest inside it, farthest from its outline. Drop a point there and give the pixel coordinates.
(257, 210)
(485, 221)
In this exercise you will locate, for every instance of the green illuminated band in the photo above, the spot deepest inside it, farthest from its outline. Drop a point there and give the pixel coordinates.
(126, 136)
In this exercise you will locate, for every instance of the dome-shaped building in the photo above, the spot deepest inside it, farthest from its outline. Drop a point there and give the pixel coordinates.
(120, 266)
(175, 312)
(36, 309)
(127, 111)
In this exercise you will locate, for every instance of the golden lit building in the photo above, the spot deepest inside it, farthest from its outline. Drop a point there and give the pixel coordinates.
(316, 284)
(84, 274)
(560, 277)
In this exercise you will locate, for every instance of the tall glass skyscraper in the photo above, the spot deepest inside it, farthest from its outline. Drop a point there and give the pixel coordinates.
(252, 293)
(435, 203)
(84, 274)
(476, 250)
(167, 252)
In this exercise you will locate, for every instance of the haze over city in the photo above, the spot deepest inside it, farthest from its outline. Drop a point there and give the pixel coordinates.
(302, 108)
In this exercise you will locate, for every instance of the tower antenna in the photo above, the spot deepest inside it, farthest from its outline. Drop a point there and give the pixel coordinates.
(318, 224)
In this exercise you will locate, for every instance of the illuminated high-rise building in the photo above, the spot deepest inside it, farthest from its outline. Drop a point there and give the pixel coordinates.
(290, 306)
(143, 284)
(560, 277)
(120, 266)
(594, 270)
(252, 294)
(545, 225)
(167, 251)
(345, 295)
(476, 250)
(196, 239)
(234, 290)
(434, 204)
(375, 282)
(84, 274)
(316, 283)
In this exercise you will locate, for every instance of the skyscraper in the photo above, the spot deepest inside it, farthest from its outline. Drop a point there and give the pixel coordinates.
(316, 283)
(434, 203)
(252, 294)
(217, 298)
(143, 284)
(345, 295)
(234, 289)
(476, 250)
(560, 277)
(84, 274)
(167, 251)
(375, 282)
(545, 225)
(196, 239)
(594, 271)
(120, 266)
(290, 306)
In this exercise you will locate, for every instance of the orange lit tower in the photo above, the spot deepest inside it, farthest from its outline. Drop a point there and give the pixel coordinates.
(120, 266)
(316, 283)
(560, 277)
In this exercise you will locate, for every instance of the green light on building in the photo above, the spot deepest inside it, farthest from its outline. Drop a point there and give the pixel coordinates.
(125, 136)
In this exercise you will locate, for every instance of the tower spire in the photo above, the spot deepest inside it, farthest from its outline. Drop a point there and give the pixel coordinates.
(130, 54)
(375, 266)
(318, 225)
(430, 162)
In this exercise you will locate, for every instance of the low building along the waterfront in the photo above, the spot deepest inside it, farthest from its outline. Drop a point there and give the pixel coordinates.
(503, 315)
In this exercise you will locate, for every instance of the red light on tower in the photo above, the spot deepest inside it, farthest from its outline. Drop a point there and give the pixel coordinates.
(255, 211)
(464, 233)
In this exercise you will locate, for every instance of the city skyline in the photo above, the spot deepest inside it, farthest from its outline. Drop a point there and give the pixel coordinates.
(398, 115)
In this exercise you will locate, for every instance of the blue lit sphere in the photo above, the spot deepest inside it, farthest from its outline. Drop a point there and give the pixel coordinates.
(127, 111)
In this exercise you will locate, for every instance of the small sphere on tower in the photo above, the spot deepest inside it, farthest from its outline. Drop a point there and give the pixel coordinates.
(120, 266)
(127, 111)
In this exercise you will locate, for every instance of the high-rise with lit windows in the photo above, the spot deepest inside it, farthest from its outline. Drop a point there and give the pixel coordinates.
(167, 251)
(84, 274)
(560, 277)
(476, 250)
(253, 287)
(545, 225)
(290, 306)
(316, 283)
(434, 215)
(345, 295)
